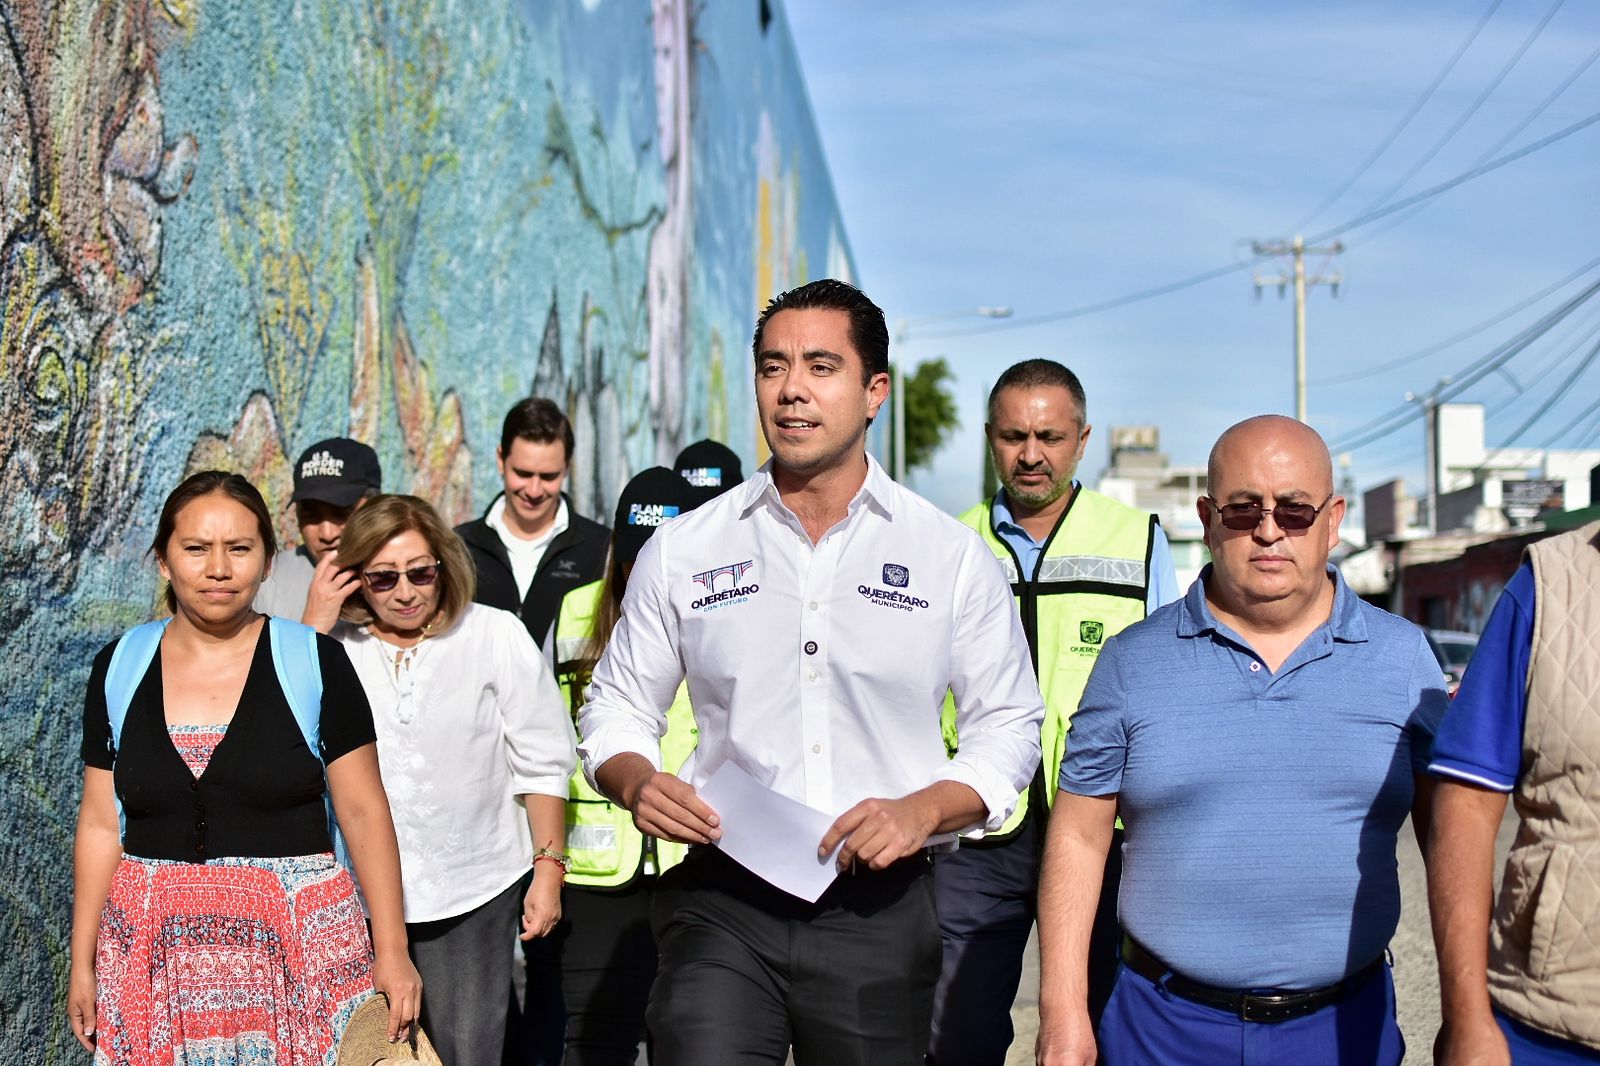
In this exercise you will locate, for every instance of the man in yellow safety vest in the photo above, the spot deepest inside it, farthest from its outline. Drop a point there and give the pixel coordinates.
(1082, 567)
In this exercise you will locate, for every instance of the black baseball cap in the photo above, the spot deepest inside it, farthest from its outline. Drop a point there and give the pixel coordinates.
(711, 467)
(338, 470)
(652, 497)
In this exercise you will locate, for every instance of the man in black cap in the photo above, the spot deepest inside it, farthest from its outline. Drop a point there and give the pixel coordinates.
(331, 479)
(711, 467)
(604, 957)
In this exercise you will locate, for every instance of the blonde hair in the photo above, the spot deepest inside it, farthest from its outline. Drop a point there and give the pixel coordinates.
(381, 519)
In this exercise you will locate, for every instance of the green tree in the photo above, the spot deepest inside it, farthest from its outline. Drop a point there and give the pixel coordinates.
(930, 411)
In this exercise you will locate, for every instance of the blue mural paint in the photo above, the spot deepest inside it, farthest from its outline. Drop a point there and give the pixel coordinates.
(273, 223)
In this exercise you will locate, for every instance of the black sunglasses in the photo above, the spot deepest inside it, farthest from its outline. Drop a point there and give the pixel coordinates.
(1289, 516)
(384, 580)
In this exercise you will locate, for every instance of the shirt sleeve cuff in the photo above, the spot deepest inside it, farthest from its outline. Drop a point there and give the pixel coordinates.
(542, 785)
(1472, 775)
(597, 750)
(998, 800)
(1102, 787)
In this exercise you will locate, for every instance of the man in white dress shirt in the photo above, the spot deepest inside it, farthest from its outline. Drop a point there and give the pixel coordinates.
(820, 612)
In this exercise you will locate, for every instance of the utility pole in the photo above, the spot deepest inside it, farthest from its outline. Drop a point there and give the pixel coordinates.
(1297, 278)
(1430, 446)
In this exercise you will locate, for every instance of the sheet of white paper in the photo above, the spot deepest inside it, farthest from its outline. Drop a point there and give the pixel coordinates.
(770, 834)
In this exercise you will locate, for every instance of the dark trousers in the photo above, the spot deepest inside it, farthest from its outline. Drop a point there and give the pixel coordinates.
(747, 971)
(536, 1027)
(606, 957)
(988, 899)
(587, 982)
(465, 963)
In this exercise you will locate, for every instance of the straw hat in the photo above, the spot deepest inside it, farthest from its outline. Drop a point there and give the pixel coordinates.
(366, 1039)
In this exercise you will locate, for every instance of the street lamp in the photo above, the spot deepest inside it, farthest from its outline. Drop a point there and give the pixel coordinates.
(897, 412)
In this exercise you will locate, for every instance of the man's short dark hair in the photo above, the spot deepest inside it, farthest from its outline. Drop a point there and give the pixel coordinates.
(1041, 374)
(868, 331)
(539, 420)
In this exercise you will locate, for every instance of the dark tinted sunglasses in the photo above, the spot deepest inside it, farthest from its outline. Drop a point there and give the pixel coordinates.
(1289, 516)
(384, 580)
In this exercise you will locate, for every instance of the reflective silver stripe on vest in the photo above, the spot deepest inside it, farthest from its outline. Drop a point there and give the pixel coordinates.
(569, 648)
(1098, 568)
(591, 837)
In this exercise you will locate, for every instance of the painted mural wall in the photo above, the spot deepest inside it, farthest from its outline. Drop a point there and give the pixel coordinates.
(230, 229)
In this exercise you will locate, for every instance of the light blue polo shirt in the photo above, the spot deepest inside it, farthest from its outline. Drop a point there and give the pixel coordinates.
(1163, 586)
(1262, 809)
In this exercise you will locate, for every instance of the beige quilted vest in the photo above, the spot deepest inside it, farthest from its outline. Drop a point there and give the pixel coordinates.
(1544, 957)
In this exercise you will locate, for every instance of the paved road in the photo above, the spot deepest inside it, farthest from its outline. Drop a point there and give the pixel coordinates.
(1416, 975)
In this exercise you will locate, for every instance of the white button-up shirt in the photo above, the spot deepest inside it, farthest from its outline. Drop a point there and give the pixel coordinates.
(822, 669)
(467, 721)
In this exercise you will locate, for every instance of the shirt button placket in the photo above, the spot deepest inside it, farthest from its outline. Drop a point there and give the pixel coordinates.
(813, 670)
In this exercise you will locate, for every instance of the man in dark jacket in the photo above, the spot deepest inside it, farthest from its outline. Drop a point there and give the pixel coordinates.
(531, 548)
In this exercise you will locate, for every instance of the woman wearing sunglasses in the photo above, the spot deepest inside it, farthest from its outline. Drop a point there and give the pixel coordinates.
(476, 748)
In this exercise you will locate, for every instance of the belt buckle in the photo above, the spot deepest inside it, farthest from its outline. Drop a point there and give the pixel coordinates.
(1266, 1009)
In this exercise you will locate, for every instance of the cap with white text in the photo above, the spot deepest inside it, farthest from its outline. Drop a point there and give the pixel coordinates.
(339, 471)
(652, 497)
(711, 467)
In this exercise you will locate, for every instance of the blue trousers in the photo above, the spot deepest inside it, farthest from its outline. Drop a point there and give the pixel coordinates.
(1145, 1024)
(1532, 1047)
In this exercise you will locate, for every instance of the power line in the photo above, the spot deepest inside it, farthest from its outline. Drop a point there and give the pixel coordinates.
(1472, 108)
(1363, 374)
(1509, 136)
(1560, 392)
(1103, 305)
(1574, 424)
(1234, 268)
(1405, 120)
(1451, 387)
(1460, 179)
(1559, 353)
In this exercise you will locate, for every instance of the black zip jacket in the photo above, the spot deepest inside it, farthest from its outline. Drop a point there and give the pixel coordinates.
(576, 557)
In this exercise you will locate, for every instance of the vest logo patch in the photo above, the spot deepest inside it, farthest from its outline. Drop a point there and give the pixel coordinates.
(1091, 632)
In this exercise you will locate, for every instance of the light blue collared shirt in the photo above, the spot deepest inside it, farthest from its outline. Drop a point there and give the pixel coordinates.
(1263, 808)
(1163, 579)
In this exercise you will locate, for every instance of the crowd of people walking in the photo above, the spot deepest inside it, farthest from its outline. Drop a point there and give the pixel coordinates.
(369, 764)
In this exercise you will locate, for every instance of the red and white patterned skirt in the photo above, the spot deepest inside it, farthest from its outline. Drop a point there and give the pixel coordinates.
(235, 962)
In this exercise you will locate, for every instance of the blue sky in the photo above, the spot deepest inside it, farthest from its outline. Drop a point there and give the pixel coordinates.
(1049, 156)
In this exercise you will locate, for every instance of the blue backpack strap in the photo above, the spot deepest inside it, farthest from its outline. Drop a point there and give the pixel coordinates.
(294, 657)
(130, 661)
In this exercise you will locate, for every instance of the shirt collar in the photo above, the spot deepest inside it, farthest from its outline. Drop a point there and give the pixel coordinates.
(878, 491)
(1003, 516)
(1346, 622)
(496, 520)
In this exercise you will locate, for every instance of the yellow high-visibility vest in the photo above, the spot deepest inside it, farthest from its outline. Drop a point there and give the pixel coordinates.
(1092, 582)
(604, 848)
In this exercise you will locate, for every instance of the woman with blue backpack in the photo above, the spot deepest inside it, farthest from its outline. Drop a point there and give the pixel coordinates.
(211, 919)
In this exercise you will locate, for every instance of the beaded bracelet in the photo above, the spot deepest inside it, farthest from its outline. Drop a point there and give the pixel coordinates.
(549, 855)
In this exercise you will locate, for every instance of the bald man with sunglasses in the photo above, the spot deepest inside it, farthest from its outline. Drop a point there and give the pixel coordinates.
(1263, 739)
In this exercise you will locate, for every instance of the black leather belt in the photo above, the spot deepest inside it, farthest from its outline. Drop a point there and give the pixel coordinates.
(1267, 1007)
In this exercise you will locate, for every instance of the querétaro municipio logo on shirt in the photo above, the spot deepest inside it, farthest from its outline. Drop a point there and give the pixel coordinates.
(896, 576)
(729, 575)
